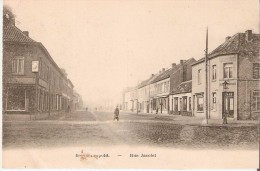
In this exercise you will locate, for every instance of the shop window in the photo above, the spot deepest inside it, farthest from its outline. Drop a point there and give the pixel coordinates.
(200, 103)
(228, 70)
(184, 106)
(256, 100)
(175, 103)
(18, 65)
(16, 99)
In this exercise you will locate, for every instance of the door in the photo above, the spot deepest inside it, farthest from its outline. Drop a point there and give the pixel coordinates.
(228, 104)
(147, 107)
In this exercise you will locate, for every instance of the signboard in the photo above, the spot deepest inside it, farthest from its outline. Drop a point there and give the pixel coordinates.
(35, 66)
(229, 94)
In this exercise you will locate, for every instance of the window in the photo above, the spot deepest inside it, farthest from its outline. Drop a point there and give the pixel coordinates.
(181, 104)
(16, 99)
(199, 76)
(200, 102)
(256, 70)
(256, 100)
(18, 65)
(48, 73)
(57, 102)
(214, 101)
(167, 87)
(228, 70)
(154, 104)
(175, 103)
(214, 72)
(38, 99)
(184, 105)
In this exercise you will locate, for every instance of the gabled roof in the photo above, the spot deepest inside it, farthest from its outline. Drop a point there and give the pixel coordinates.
(13, 34)
(169, 72)
(235, 45)
(146, 82)
(184, 87)
(166, 74)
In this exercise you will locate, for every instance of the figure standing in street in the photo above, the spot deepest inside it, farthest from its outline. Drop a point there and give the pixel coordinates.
(116, 114)
(68, 110)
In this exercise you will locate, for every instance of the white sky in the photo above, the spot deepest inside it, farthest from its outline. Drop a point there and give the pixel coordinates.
(107, 45)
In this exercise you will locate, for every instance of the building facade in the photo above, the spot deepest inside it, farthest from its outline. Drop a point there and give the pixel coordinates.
(181, 87)
(32, 82)
(233, 79)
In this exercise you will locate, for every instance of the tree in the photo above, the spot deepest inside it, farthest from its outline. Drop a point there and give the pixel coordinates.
(8, 15)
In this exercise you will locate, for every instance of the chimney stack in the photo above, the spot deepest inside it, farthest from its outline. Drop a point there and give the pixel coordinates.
(249, 35)
(163, 69)
(182, 62)
(181, 70)
(26, 33)
(228, 37)
(173, 65)
(152, 75)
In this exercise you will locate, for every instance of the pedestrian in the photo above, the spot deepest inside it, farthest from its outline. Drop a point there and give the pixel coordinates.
(116, 114)
(68, 109)
(157, 109)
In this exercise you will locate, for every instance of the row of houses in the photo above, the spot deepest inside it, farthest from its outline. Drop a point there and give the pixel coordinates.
(233, 71)
(32, 82)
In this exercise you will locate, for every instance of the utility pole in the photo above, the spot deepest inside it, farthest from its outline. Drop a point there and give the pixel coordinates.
(49, 102)
(206, 75)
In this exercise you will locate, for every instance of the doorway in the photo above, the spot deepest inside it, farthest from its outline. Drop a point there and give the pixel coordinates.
(228, 104)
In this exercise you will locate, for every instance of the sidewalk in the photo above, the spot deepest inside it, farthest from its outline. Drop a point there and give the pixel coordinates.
(190, 120)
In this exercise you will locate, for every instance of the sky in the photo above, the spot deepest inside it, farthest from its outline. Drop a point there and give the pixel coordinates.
(107, 45)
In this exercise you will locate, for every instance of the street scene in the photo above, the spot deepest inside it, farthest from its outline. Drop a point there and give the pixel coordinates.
(168, 82)
(98, 129)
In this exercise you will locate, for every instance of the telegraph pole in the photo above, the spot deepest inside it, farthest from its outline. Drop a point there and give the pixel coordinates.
(206, 75)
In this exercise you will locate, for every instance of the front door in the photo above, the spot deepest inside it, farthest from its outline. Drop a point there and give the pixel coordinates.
(228, 104)
(147, 107)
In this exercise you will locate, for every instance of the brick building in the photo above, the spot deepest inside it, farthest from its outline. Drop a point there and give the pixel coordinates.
(180, 88)
(33, 84)
(234, 63)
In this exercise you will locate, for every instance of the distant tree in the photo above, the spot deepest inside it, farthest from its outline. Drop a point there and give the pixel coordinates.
(8, 15)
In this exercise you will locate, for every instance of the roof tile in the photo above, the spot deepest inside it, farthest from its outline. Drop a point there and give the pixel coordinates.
(13, 34)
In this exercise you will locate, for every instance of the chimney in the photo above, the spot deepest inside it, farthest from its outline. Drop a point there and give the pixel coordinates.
(173, 65)
(181, 70)
(152, 75)
(228, 37)
(249, 35)
(182, 62)
(26, 33)
(160, 72)
(163, 69)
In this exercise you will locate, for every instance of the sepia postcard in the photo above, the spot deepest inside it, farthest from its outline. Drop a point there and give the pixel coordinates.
(130, 84)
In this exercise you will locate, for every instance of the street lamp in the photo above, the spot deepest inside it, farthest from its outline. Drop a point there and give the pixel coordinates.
(225, 87)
